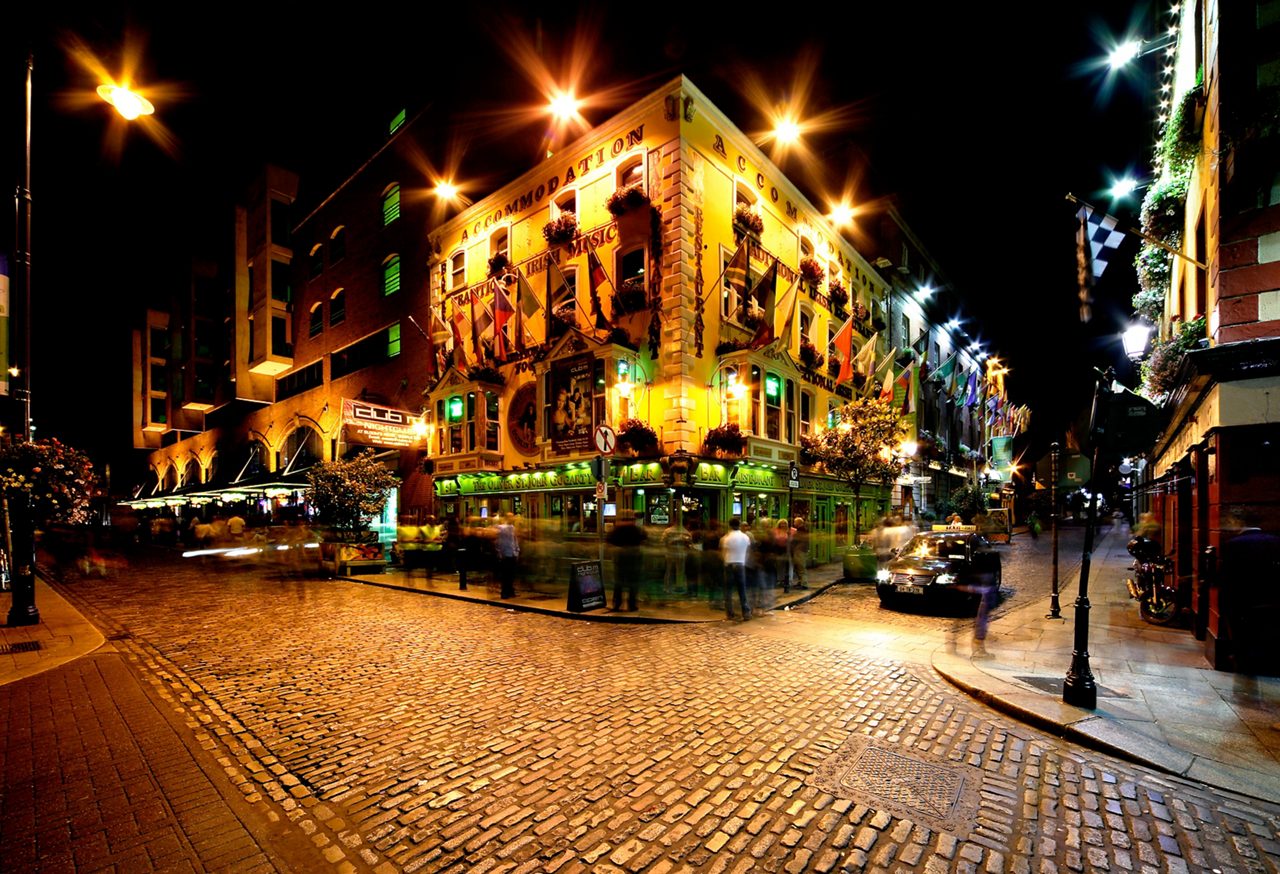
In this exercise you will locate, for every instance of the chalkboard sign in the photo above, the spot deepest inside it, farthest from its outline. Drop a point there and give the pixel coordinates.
(586, 586)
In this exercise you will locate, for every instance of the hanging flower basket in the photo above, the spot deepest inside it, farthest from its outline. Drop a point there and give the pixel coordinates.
(725, 441)
(486, 374)
(838, 294)
(625, 200)
(729, 346)
(810, 357)
(811, 271)
(635, 437)
(747, 220)
(498, 264)
(58, 480)
(561, 231)
(630, 297)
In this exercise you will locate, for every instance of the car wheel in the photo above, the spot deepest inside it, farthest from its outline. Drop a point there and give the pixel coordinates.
(887, 598)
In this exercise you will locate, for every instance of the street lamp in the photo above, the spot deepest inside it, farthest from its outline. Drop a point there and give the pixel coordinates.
(1135, 341)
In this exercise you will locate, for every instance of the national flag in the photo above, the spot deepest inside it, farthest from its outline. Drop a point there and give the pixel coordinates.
(886, 388)
(734, 278)
(526, 305)
(946, 371)
(971, 393)
(842, 344)
(560, 294)
(1096, 238)
(865, 361)
(955, 385)
(785, 314)
(598, 277)
(902, 389)
(481, 321)
(459, 325)
(502, 313)
(440, 336)
(765, 292)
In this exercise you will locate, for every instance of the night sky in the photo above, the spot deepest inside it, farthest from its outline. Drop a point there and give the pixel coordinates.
(975, 127)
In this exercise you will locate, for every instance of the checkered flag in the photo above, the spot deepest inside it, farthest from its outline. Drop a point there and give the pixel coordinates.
(1096, 239)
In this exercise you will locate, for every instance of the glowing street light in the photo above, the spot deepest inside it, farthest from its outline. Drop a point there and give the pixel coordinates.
(842, 215)
(786, 131)
(1124, 53)
(1135, 341)
(446, 190)
(1123, 187)
(130, 104)
(564, 106)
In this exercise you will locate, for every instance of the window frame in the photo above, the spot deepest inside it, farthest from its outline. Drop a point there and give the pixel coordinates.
(390, 201)
(315, 319)
(391, 274)
(338, 311)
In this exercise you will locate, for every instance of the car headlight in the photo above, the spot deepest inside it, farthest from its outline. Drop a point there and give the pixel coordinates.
(945, 579)
(883, 575)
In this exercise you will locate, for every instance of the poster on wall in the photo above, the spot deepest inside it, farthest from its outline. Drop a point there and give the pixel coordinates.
(522, 419)
(571, 404)
(376, 425)
(1001, 456)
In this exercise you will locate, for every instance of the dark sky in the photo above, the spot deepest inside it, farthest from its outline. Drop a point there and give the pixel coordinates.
(976, 126)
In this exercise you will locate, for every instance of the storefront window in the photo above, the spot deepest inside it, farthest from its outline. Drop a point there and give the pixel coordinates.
(773, 405)
(491, 421)
(598, 391)
(791, 411)
(471, 420)
(806, 413)
(757, 390)
(455, 408)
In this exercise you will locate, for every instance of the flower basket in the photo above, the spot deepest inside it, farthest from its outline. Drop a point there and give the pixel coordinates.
(486, 374)
(620, 337)
(626, 200)
(725, 441)
(630, 297)
(860, 313)
(561, 231)
(833, 366)
(729, 346)
(839, 296)
(635, 437)
(810, 357)
(58, 480)
(811, 272)
(498, 264)
(747, 220)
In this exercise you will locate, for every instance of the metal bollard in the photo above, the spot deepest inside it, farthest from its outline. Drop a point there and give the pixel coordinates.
(461, 559)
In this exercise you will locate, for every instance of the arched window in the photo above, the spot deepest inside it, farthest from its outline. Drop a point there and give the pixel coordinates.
(338, 244)
(631, 172)
(316, 319)
(806, 412)
(743, 195)
(337, 307)
(499, 242)
(191, 473)
(806, 248)
(391, 203)
(170, 479)
(214, 468)
(458, 271)
(566, 201)
(391, 275)
(316, 264)
(302, 448)
(806, 325)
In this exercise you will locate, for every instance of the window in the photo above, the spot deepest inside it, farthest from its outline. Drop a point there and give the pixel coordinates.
(632, 173)
(337, 307)
(300, 380)
(743, 196)
(396, 123)
(338, 245)
(731, 301)
(159, 343)
(491, 421)
(391, 275)
(806, 412)
(159, 411)
(563, 304)
(373, 349)
(316, 326)
(159, 377)
(791, 411)
(546, 406)
(204, 390)
(390, 204)
(458, 271)
(393, 340)
(757, 389)
(453, 424)
(280, 344)
(806, 248)
(566, 202)
(906, 330)
(630, 267)
(280, 230)
(281, 285)
(499, 243)
(316, 263)
(806, 325)
(204, 339)
(471, 421)
(772, 405)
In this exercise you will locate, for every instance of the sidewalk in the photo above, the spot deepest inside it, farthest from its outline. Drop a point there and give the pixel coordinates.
(61, 636)
(1159, 701)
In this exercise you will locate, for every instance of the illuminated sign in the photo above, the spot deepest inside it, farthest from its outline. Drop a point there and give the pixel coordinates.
(376, 425)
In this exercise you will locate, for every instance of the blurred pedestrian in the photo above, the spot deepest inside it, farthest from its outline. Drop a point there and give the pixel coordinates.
(507, 547)
(675, 543)
(627, 539)
(782, 555)
(734, 547)
(800, 552)
(235, 526)
(712, 562)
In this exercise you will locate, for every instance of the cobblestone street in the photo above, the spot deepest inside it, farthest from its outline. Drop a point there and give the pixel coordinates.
(394, 731)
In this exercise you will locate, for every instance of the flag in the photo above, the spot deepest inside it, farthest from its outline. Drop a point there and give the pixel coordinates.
(481, 321)
(766, 290)
(886, 388)
(785, 313)
(956, 384)
(1096, 239)
(971, 394)
(598, 277)
(502, 313)
(459, 325)
(526, 306)
(842, 344)
(946, 371)
(440, 336)
(902, 388)
(865, 361)
(734, 278)
(561, 297)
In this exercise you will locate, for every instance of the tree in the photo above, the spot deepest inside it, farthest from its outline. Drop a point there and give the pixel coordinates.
(859, 447)
(348, 493)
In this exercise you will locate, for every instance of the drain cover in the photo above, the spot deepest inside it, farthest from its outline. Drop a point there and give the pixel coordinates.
(918, 787)
(20, 646)
(1054, 685)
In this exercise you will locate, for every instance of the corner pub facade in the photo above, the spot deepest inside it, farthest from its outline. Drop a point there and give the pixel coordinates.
(536, 353)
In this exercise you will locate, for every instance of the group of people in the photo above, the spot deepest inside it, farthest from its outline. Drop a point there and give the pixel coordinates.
(749, 560)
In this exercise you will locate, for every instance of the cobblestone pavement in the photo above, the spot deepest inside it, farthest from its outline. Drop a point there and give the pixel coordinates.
(404, 732)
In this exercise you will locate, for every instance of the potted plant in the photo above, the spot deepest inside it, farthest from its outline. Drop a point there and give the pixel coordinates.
(810, 357)
(747, 220)
(833, 366)
(811, 271)
(486, 373)
(626, 200)
(725, 441)
(838, 294)
(728, 346)
(860, 313)
(498, 264)
(346, 494)
(630, 296)
(561, 231)
(636, 437)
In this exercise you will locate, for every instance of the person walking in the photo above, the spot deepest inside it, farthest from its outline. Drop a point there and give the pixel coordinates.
(733, 547)
(507, 547)
(800, 552)
(712, 563)
(627, 539)
(782, 555)
(675, 542)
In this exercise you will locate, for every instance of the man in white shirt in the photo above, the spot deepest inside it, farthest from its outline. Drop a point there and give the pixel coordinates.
(733, 547)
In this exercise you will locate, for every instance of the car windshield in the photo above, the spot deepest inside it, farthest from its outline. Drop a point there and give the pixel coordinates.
(921, 546)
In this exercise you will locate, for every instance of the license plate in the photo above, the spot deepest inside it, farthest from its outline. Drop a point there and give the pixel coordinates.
(910, 590)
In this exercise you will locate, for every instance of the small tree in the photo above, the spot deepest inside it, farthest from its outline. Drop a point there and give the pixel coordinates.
(348, 493)
(859, 448)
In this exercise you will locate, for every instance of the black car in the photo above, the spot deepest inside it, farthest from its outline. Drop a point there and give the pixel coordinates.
(949, 568)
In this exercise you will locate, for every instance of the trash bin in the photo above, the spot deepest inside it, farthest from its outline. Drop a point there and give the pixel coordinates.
(860, 565)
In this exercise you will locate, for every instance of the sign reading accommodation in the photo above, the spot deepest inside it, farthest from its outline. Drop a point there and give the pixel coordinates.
(376, 425)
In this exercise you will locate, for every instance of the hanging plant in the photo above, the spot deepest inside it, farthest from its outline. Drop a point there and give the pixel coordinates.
(1160, 370)
(1182, 137)
(833, 365)
(810, 357)
(860, 313)
(1149, 305)
(1164, 209)
(487, 374)
(637, 437)
(838, 294)
(1155, 268)
(561, 231)
(811, 271)
(725, 440)
(624, 200)
(729, 346)
(58, 480)
(630, 296)
(498, 264)
(746, 218)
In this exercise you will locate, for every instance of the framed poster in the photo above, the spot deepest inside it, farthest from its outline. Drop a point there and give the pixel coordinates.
(522, 419)
(572, 419)
(586, 586)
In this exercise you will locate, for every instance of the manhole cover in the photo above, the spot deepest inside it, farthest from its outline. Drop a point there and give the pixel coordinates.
(20, 646)
(918, 786)
(1054, 686)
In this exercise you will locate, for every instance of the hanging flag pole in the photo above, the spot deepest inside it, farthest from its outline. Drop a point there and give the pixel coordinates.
(1137, 233)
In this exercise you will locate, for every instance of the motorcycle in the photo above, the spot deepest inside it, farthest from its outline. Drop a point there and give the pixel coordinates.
(1153, 585)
